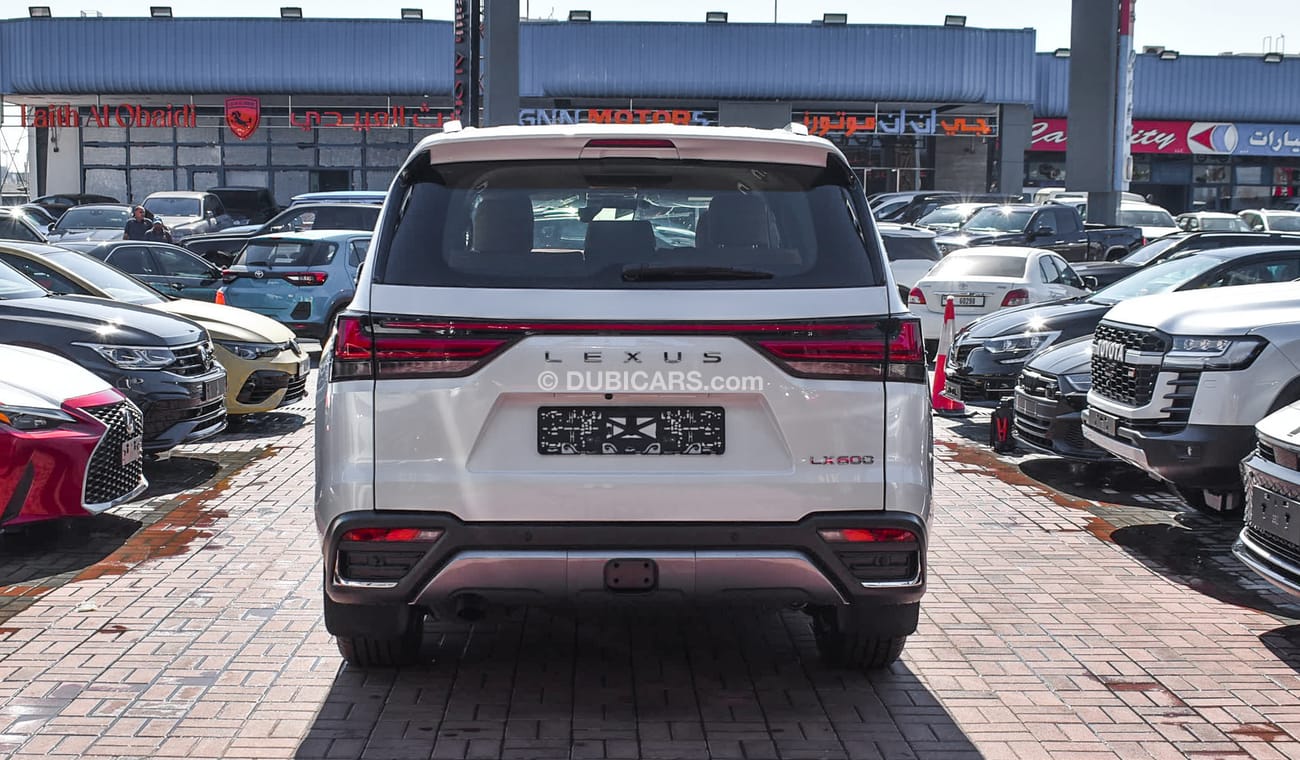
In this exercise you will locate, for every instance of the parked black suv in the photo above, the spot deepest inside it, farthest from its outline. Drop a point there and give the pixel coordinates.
(1108, 272)
(247, 205)
(221, 248)
(988, 353)
(162, 363)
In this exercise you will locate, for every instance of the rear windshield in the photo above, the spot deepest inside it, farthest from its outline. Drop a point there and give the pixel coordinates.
(15, 285)
(118, 285)
(286, 253)
(93, 219)
(900, 248)
(979, 265)
(998, 220)
(1287, 223)
(175, 206)
(1142, 218)
(628, 223)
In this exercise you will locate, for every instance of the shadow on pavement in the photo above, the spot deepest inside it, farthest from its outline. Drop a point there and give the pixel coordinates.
(46, 550)
(560, 684)
(250, 427)
(176, 474)
(1285, 644)
(1110, 482)
(1196, 551)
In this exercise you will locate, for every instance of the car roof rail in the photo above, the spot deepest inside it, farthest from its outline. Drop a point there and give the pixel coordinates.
(796, 128)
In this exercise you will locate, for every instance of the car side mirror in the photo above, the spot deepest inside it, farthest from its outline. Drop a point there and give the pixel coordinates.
(1044, 231)
(50, 226)
(1090, 282)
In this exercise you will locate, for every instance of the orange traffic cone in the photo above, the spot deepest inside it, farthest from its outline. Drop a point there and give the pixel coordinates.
(941, 403)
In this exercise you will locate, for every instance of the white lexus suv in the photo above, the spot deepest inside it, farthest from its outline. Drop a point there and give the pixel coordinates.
(599, 364)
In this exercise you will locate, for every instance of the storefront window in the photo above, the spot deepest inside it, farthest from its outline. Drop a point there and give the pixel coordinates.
(1210, 170)
(1141, 171)
(1251, 175)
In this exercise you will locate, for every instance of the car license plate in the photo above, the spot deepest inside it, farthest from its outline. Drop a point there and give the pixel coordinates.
(1273, 514)
(132, 449)
(1106, 423)
(966, 300)
(1024, 405)
(657, 430)
(212, 389)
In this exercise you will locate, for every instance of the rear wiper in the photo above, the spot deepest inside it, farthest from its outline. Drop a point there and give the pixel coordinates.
(647, 274)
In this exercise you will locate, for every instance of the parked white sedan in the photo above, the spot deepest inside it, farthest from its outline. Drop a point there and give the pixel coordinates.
(987, 278)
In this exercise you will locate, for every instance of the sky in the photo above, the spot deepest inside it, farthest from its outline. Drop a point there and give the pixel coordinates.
(1199, 27)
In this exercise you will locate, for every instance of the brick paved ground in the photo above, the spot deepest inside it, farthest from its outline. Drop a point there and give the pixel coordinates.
(1056, 625)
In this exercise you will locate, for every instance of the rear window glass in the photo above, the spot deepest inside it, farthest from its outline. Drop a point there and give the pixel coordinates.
(900, 248)
(980, 265)
(1140, 218)
(628, 223)
(286, 253)
(93, 218)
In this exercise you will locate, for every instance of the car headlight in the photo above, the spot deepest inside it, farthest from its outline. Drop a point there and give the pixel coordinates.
(1213, 353)
(32, 419)
(133, 357)
(1009, 348)
(251, 351)
(1079, 382)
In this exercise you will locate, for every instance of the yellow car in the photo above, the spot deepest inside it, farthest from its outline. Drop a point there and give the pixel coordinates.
(265, 366)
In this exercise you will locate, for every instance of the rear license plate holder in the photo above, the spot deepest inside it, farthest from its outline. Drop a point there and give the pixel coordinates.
(631, 574)
(1105, 423)
(631, 430)
(1274, 514)
(967, 300)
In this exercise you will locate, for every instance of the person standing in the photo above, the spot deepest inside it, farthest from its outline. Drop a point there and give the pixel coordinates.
(158, 233)
(137, 227)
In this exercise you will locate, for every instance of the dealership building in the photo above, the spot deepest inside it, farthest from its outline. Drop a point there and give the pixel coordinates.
(130, 106)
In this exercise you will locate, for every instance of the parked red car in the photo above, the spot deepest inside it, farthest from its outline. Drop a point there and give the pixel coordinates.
(70, 445)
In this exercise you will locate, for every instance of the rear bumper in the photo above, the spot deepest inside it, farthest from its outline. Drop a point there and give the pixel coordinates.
(535, 563)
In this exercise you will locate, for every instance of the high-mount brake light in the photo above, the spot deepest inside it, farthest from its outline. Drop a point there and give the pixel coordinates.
(621, 142)
(867, 535)
(392, 535)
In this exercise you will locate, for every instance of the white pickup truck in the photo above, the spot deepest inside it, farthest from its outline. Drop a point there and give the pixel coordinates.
(1179, 381)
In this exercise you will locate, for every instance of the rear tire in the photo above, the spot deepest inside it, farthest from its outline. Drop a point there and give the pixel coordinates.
(844, 639)
(367, 652)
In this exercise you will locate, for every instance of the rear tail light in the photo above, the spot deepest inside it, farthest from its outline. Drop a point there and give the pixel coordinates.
(403, 348)
(884, 350)
(406, 347)
(1016, 297)
(228, 276)
(392, 535)
(867, 535)
(624, 142)
(916, 297)
(307, 278)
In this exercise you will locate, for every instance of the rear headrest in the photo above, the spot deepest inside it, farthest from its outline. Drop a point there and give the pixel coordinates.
(740, 221)
(503, 224)
(628, 240)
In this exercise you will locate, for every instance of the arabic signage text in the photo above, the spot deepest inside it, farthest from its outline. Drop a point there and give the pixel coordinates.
(1184, 137)
(904, 122)
(422, 116)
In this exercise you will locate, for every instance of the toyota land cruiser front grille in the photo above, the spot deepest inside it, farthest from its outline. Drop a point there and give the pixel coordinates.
(1119, 379)
(1137, 340)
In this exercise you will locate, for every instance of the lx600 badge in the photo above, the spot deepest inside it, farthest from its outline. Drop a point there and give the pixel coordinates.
(852, 459)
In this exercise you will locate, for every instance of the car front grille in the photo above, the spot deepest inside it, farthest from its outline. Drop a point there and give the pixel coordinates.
(296, 390)
(192, 361)
(107, 479)
(262, 384)
(1119, 380)
(1280, 455)
(165, 414)
(1275, 544)
(1040, 385)
(963, 352)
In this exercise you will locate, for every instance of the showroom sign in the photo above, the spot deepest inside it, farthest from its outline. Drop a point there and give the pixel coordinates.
(1184, 137)
(920, 123)
(685, 116)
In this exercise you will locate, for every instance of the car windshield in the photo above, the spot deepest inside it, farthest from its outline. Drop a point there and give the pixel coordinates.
(285, 253)
(908, 248)
(626, 223)
(119, 286)
(174, 206)
(1229, 223)
(1286, 223)
(91, 218)
(1149, 251)
(998, 220)
(946, 217)
(14, 285)
(1157, 278)
(979, 265)
(1143, 218)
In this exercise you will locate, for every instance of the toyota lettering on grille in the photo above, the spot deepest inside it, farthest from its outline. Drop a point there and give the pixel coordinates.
(1109, 349)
